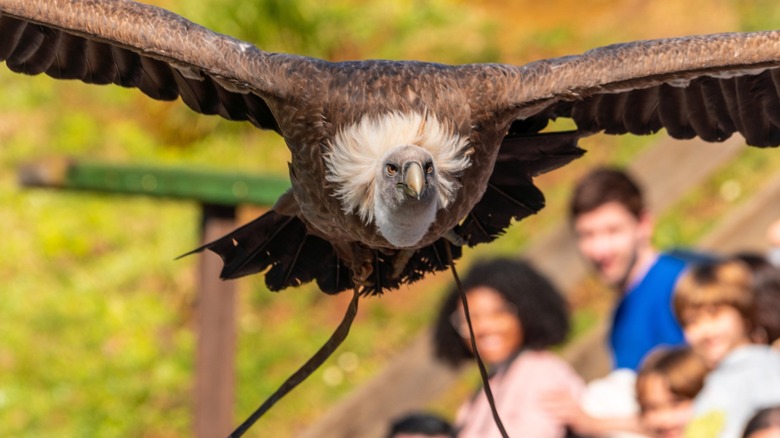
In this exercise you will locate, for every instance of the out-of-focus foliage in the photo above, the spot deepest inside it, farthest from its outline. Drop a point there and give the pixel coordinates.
(96, 316)
(355, 29)
(758, 14)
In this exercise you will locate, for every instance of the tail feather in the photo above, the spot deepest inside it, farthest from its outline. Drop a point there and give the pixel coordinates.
(281, 246)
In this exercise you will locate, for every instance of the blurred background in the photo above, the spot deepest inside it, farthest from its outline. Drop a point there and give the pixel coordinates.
(96, 316)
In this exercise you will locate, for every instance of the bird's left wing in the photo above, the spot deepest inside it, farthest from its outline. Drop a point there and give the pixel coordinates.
(142, 46)
(708, 86)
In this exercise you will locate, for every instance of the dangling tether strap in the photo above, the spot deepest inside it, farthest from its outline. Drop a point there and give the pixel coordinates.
(480, 364)
(307, 369)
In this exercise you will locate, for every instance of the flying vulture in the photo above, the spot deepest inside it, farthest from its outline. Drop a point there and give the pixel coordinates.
(395, 162)
(397, 165)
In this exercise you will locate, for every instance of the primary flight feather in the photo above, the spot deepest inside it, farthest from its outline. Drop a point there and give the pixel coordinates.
(392, 161)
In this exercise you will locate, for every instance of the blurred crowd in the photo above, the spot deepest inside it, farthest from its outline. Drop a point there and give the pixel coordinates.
(694, 337)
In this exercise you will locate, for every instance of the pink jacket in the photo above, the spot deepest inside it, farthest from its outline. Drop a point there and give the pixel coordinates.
(517, 391)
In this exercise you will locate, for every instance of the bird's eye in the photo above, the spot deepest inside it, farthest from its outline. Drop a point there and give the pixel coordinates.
(391, 169)
(428, 167)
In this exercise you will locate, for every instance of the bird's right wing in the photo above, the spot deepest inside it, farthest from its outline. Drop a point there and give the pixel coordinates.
(135, 45)
(708, 86)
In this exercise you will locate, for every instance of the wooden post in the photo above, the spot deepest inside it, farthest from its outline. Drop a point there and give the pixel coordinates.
(218, 193)
(216, 333)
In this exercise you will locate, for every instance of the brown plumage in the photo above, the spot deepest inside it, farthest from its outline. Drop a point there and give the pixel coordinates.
(707, 86)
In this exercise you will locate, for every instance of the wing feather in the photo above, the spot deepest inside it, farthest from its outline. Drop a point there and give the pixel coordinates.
(40, 55)
(673, 112)
(643, 119)
(709, 86)
(772, 101)
(700, 119)
(157, 80)
(715, 102)
(100, 72)
(11, 31)
(511, 193)
(28, 43)
(128, 65)
(611, 110)
(756, 94)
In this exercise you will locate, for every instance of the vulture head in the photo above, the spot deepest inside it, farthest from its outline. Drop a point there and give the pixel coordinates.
(396, 171)
(405, 203)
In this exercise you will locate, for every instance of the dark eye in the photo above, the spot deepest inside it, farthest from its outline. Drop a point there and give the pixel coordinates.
(391, 169)
(428, 167)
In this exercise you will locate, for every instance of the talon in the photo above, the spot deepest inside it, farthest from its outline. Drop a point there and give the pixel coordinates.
(402, 258)
(362, 274)
(454, 238)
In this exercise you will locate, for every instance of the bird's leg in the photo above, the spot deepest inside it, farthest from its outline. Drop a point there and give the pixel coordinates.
(362, 265)
(402, 257)
(362, 282)
(454, 238)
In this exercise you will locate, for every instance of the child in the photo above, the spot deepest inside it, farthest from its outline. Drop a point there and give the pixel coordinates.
(668, 381)
(766, 287)
(715, 306)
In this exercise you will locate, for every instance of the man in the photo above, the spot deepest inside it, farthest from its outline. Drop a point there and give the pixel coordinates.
(613, 230)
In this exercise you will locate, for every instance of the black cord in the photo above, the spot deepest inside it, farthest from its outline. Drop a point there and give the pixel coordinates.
(307, 369)
(480, 364)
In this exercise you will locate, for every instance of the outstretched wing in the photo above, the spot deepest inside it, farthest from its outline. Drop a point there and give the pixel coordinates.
(708, 86)
(135, 45)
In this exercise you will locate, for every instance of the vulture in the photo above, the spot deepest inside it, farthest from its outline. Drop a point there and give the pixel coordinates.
(395, 166)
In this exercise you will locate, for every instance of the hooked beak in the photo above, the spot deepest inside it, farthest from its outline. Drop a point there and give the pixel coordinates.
(414, 179)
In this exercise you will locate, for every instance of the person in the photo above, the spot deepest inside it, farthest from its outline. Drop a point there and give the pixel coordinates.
(419, 425)
(773, 238)
(613, 230)
(517, 315)
(666, 385)
(765, 424)
(607, 408)
(714, 303)
(766, 309)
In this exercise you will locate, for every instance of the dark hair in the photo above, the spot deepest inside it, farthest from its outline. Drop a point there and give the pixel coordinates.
(543, 312)
(764, 419)
(682, 370)
(766, 287)
(421, 423)
(603, 185)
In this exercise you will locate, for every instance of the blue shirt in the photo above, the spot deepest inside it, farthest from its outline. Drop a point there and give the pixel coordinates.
(644, 319)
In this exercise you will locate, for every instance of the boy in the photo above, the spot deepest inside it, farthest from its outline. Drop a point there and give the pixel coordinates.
(666, 385)
(714, 304)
